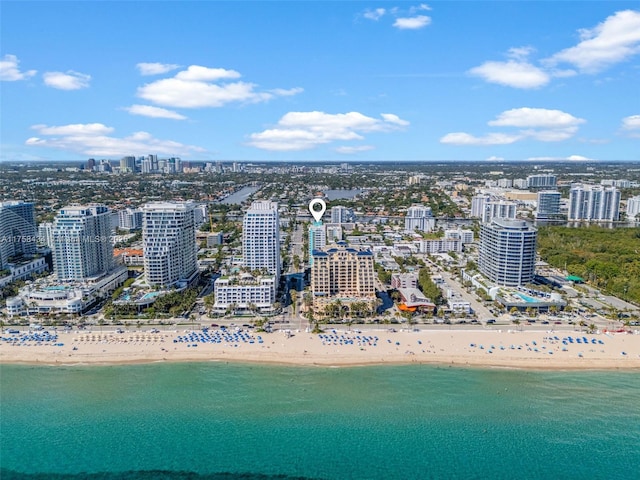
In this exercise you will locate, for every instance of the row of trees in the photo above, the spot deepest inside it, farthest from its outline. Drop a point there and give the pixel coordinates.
(428, 287)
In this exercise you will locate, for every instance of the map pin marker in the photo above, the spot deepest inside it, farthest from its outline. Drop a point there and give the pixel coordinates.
(317, 214)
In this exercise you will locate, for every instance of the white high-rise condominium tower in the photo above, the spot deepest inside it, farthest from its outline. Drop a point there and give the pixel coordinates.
(169, 243)
(130, 219)
(317, 238)
(633, 208)
(508, 252)
(17, 230)
(477, 205)
(419, 218)
(541, 181)
(340, 214)
(82, 243)
(499, 209)
(261, 238)
(594, 203)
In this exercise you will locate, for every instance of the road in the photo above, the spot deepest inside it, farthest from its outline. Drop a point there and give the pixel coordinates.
(481, 311)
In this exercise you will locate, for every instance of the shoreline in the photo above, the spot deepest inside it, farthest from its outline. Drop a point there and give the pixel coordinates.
(523, 350)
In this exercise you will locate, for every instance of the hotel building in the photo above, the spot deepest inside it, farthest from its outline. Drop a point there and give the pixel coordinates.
(82, 243)
(83, 263)
(342, 273)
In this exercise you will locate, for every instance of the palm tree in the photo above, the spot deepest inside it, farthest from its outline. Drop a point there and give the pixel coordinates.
(591, 328)
(294, 300)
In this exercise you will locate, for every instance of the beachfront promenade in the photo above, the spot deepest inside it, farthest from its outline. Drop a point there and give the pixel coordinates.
(562, 349)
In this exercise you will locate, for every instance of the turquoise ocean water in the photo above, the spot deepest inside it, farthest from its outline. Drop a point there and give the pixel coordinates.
(219, 421)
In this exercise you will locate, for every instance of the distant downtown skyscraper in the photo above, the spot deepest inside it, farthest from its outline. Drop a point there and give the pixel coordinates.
(508, 252)
(261, 237)
(169, 243)
(594, 203)
(17, 230)
(82, 243)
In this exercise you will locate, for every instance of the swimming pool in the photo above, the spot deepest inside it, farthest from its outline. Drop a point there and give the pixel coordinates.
(150, 295)
(526, 298)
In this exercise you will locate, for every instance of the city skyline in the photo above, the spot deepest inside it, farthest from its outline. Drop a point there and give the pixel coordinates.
(321, 81)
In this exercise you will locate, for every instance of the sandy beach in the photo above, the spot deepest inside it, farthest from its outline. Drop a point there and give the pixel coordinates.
(340, 347)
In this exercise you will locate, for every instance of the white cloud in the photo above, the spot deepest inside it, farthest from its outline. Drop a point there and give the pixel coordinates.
(93, 139)
(10, 70)
(283, 92)
(155, 112)
(520, 53)
(79, 129)
(535, 117)
(199, 73)
(412, 23)
(544, 125)
(351, 150)
(194, 88)
(155, 68)
(374, 14)
(67, 81)
(563, 73)
(610, 42)
(306, 130)
(512, 73)
(462, 138)
(392, 118)
(573, 158)
(419, 8)
(631, 123)
(631, 126)
(555, 135)
(493, 158)
(404, 19)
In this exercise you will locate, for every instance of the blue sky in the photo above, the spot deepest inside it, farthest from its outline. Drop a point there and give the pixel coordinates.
(307, 80)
